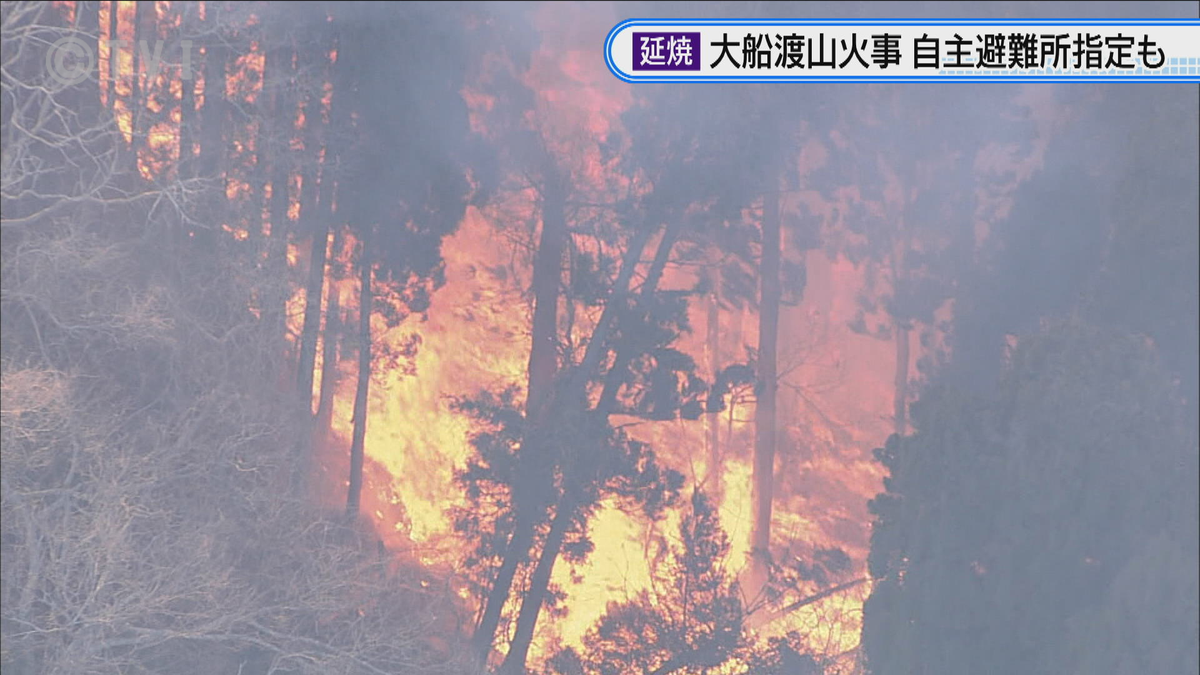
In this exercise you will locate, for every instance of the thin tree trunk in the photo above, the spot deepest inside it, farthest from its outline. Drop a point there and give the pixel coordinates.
(310, 332)
(329, 356)
(617, 374)
(135, 89)
(85, 97)
(187, 107)
(764, 409)
(311, 327)
(713, 420)
(128, 155)
(531, 607)
(187, 122)
(901, 325)
(113, 55)
(145, 29)
(213, 120)
(353, 498)
(547, 277)
(738, 334)
(328, 196)
(87, 24)
(543, 366)
(315, 208)
(729, 419)
(821, 595)
(900, 402)
(185, 167)
(278, 72)
(519, 544)
(598, 343)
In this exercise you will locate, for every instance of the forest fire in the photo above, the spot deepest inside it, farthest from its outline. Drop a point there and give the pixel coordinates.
(837, 385)
(507, 365)
(477, 338)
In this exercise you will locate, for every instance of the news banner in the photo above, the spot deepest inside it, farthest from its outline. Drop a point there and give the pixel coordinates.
(904, 50)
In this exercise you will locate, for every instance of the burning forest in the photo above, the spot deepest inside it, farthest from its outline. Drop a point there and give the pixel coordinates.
(373, 338)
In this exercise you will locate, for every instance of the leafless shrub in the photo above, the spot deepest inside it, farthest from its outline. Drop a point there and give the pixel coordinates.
(147, 445)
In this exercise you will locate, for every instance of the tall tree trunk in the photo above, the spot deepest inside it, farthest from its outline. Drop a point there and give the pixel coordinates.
(900, 402)
(768, 385)
(901, 325)
(278, 73)
(315, 200)
(186, 168)
(547, 277)
(113, 55)
(87, 24)
(85, 99)
(329, 356)
(213, 121)
(314, 289)
(187, 122)
(531, 606)
(145, 19)
(517, 552)
(353, 498)
(310, 332)
(737, 330)
(713, 347)
(196, 266)
(328, 195)
(543, 366)
(134, 83)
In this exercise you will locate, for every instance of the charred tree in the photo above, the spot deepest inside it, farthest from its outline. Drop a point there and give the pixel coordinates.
(404, 186)
(310, 332)
(547, 277)
(316, 208)
(87, 24)
(768, 385)
(543, 366)
(539, 583)
(331, 341)
(186, 167)
(136, 91)
(357, 443)
(331, 337)
(147, 67)
(213, 121)
(278, 72)
(713, 348)
(902, 325)
(112, 55)
(900, 402)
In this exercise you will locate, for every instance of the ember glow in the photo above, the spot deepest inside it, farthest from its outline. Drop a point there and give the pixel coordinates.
(328, 173)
